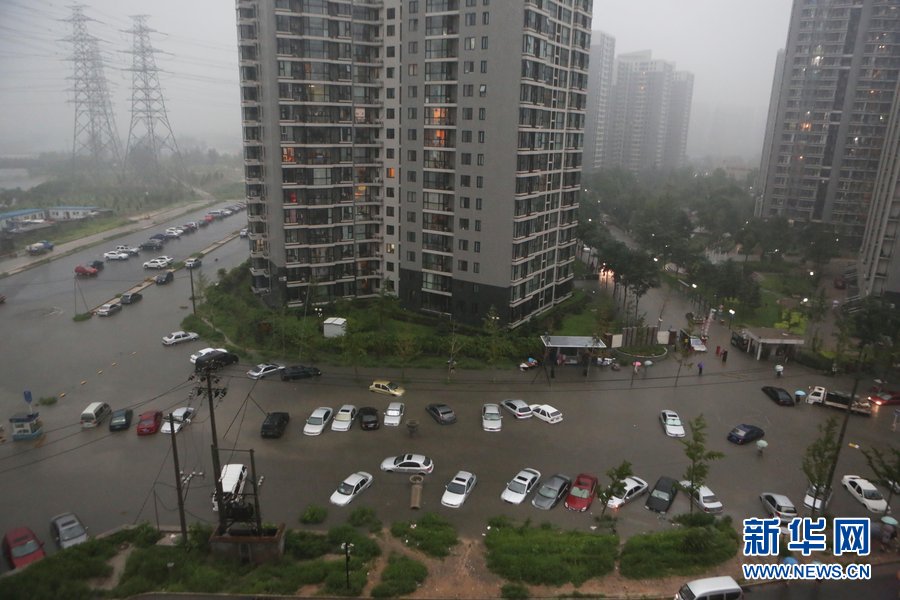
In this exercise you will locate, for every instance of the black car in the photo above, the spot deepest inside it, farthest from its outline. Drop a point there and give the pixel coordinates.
(551, 492)
(744, 434)
(662, 495)
(368, 418)
(275, 424)
(131, 297)
(215, 360)
(120, 419)
(97, 264)
(299, 372)
(778, 395)
(161, 237)
(152, 244)
(164, 278)
(441, 413)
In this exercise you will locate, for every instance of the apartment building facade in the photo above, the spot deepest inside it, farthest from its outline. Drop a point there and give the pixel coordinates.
(603, 54)
(427, 148)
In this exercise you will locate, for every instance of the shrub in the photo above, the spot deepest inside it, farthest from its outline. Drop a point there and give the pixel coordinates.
(336, 580)
(514, 591)
(314, 514)
(47, 400)
(401, 577)
(364, 548)
(198, 537)
(697, 519)
(82, 316)
(364, 516)
(304, 545)
(432, 534)
(144, 535)
(678, 551)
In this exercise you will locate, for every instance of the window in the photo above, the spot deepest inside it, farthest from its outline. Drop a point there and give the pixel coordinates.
(477, 246)
(464, 224)
(478, 201)
(411, 134)
(462, 265)
(390, 72)
(470, 43)
(411, 176)
(413, 91)
(464, 202)
(463, 245)
(467, 113)
(389, 229)
(390, 113)
(480, 160)
(465, 181)
(389, 153)
(411, 155)
(484, 66)
(482, 90)
(468, 66)
(465, 158)
(482, 114)
(479, 181)
(485, 18)
(477, 225)
(470, 19)
(390, 172)
(480, 137)
(410, 256)
(391, 13)
(471, 2)
(410, 216)
(391, 51)
(411, 236)
(390, 266)
(484, 42)
(389, 210)
(413, 25)
(413, 47)
(476, 267)
(389, 133)
(413, 69)
(468, 89)
(466, 136)
(390, 192)
(413, 6)
(390, 30)
(411, 113)
(410, 196)
(391, 94)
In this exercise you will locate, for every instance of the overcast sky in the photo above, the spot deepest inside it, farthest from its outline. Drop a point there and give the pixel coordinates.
(729, 45)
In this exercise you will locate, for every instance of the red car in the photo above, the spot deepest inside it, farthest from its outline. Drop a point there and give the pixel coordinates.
(21, 547)
(149, 422)
(884, 397)
(582, 494)
(84, 271)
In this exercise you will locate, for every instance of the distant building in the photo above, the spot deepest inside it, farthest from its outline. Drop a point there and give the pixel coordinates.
(839, 78)
(603, 50)
(71, 213)
(18, 219)
(770, 131)
(679, 120)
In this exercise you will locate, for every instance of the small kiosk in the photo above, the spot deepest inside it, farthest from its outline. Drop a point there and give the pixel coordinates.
(26, 426)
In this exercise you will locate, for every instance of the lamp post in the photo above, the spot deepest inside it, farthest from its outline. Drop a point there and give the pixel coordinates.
(731, 318)
(346, 547)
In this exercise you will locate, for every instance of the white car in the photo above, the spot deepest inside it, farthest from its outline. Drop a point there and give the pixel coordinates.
(344, 418)
(632, 488)
(174, 231)
(351, 487)
(408, 463)
(160, 262)
(109, 309)
(865, 493)
(116, 255)
(459, 488)
(317, 421)
(519, 486)
(261, 370)
(182, 416)
(816, 498)
(697, 345)
(177, 337)
(778, 505)
(131, 250)
(703, 497)
(244, 232)
(671, 423)
(192, 263)
(491, 419)
(545, 412)
(519, 408)
(394, 414)
(203, 352)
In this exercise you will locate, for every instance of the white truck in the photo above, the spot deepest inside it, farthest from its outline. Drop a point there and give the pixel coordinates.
(840, 400)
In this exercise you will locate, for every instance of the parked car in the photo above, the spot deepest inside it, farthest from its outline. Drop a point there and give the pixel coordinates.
(408, 463)
(179, 337)
(744, 434)
(350, 488)
(491, 419)
(67, 530)
(160, 237)
(778, 395)
(518, 408)
(545, 412)
(441, 413)
(554, 489)
(84, 271)
(582, 493)
(299, 372)
(393, 415)
(262, 370)
(662, 495)
(204, 352)
(131, 297)
(702, 497)
(865, 493)
(193, 263)
(815, 498)
(130, 250)
(244, 232)
(318, 420)
(274, 424)
(97, 264)
(520, 486)
(149, 422)
(116, 255)
(121, 419)
(344, 419)
(459, 488)
(181, 416)
(884, 397)
(368, 418)
(778, 505)
(22, 547)
(109, 309)
(632, 487)
(216, 359)
(390, 388)
(671, 423)
(152, 245)
(160, 262)
(164, 278)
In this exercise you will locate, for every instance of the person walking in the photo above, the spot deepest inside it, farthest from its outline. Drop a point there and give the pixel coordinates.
(724, 356)
(700, 368)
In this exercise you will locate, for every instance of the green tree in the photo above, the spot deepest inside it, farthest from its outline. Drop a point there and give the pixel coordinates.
(818, 459)
(406, 347)
(353, 347)
(492, 332)
(885, 464)
(699, 457)
(616, 486)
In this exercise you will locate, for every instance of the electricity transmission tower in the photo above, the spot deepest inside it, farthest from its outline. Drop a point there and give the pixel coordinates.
(150, 133)
(95, 134)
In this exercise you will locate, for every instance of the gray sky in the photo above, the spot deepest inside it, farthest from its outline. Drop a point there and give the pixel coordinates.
(729, 45)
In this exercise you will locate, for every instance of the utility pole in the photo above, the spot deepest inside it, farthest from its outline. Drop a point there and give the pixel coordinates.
(193, 298)
(217, 467)
(840, 441)
(177, 479)
(255, 494)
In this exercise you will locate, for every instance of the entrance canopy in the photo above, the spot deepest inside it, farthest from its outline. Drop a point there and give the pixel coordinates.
(575, 342)
(765, 340)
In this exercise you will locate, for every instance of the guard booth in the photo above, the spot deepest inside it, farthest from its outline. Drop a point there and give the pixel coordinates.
(26, 427)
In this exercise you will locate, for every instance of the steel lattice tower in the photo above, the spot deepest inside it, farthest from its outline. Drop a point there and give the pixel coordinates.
(150, 132)
(95, 134)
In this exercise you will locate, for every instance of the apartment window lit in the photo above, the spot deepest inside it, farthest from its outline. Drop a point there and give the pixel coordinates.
(390, 172)
(390, 248)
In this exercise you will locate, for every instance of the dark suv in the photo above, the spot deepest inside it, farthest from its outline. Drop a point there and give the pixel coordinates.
(299, 372)
(215, 360)
(275, 424)
(662, 495)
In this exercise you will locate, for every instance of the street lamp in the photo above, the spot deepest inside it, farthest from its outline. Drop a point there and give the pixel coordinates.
(346, 547)
(731, 320)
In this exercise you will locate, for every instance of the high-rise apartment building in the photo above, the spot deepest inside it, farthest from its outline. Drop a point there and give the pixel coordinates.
(841, 67)
(431, 148)
(603, 51)
(645, 106)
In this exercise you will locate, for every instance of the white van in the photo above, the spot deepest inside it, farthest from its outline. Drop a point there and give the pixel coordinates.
(233, 478)
(711, 588)
(94, 414)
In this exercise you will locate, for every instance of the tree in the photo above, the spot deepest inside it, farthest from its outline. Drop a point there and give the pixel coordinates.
(492, 331)
(353, 347)
(886, 467)
(698, 455)
(818, 459)
(616, 485)
(406, 347)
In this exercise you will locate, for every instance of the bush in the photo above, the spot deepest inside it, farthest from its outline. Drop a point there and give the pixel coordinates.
(363, 516)
(304, 545)
(697, 519)
(144, 535)
(433, 535)
(314, 514)
(47, 401)
(364, 548)
(401, 577)
(678, 551)
(336, 580)
(514, 591)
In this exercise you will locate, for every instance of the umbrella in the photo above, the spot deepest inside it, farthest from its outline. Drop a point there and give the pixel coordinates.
(762, 444)
(888, 520)
(789, 560)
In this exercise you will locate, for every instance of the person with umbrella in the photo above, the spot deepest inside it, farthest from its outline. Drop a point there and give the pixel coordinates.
(888, 532)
